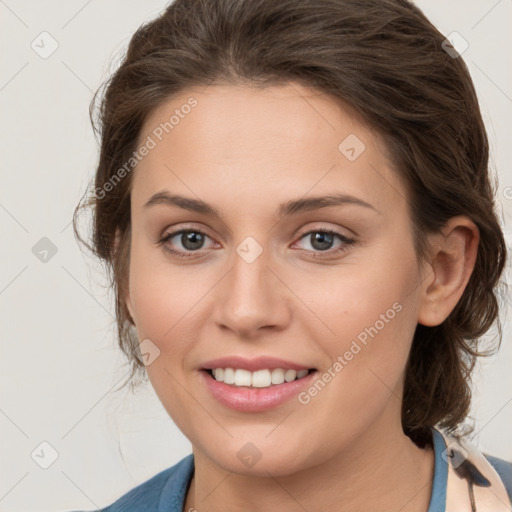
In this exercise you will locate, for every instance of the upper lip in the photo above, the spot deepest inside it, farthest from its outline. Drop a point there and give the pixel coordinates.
(257, 363)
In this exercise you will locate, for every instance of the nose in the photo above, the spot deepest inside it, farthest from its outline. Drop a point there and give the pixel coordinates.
(252, 298)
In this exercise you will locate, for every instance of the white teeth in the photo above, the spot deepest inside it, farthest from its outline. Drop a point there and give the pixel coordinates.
(242, 378)
(261, 379)
(290, 375)
(229, 376)
(257, 379)
(277, 376)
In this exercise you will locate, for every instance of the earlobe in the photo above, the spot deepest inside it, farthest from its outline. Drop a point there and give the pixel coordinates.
(453, 257)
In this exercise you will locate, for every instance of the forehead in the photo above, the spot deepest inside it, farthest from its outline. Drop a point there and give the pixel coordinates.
(250, 116)
(282, 138)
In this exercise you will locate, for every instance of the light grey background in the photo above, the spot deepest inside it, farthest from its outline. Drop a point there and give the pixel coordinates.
(59, 361)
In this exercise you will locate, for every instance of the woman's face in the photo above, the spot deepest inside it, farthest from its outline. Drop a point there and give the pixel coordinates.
(270, 270)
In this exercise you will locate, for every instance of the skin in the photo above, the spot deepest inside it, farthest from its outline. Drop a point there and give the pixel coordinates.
(245, 151)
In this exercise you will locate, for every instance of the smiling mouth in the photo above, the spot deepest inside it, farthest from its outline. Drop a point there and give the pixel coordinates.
(264, 378)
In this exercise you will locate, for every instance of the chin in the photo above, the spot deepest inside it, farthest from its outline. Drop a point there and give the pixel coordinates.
(259, 457)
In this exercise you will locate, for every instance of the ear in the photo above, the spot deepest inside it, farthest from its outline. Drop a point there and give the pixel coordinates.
(126, 292)
(452, 261)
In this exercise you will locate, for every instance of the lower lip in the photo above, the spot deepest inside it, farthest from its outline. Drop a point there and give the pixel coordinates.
(255, 399)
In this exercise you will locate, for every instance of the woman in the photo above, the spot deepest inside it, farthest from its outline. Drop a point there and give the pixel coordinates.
(295, 203)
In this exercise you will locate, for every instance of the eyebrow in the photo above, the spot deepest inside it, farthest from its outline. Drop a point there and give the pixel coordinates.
(285, 209)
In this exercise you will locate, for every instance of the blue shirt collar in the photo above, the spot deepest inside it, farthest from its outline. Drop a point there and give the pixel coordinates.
(438, 496)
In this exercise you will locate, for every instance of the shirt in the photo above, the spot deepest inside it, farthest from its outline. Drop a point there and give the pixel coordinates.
(165, 492)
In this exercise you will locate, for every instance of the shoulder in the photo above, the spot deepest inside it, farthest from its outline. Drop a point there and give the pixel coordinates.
(147, 495)
(504, 469)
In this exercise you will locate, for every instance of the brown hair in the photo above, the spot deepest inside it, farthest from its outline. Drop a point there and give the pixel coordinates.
(383, 59)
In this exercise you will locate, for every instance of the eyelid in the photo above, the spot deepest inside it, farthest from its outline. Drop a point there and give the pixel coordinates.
(186, 227)
(322, 227)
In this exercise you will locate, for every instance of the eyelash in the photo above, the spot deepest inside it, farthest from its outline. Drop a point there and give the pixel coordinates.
(316, 254)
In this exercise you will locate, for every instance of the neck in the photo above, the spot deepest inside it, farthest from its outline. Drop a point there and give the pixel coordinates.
(379, 472)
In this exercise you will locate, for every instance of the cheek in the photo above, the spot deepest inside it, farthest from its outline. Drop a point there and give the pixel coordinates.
(371, 316)
(365, 377)
(373, 301)
(169, 310)
(162, 300)
(160, 294)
